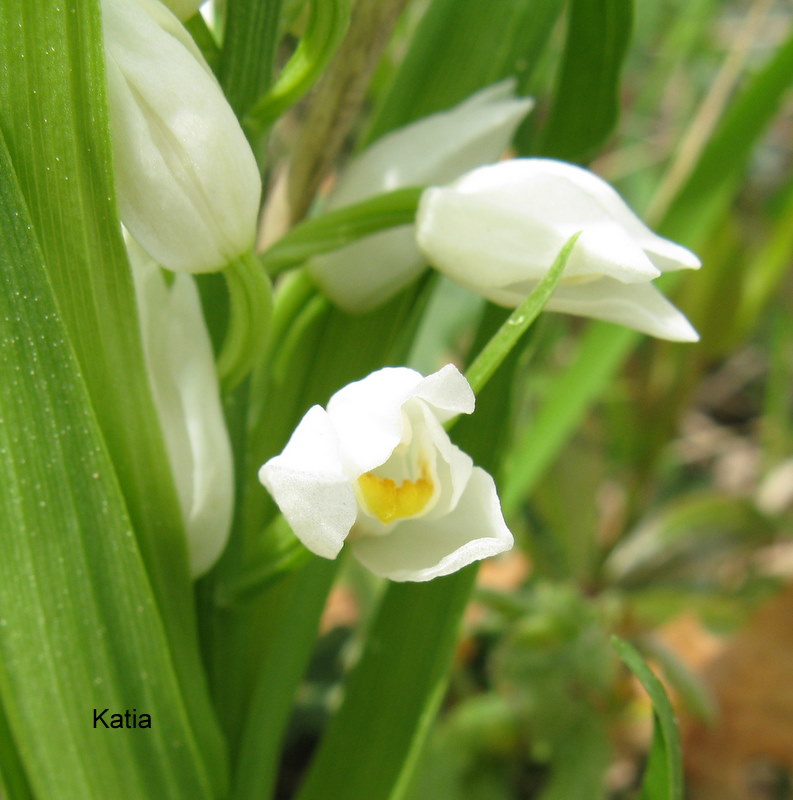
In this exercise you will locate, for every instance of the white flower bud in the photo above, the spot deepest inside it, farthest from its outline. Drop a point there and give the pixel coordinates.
(432, 150)
(187, 182)
(378, 471)
(498, 229)
(187, 397)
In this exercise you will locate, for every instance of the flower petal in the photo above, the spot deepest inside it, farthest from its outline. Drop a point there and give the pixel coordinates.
(311, 487)
(181, 366)
(636, 305)
(419, 550)
(367, 414)
(501, 236)
(362, 275)
(664, 253)
(437, 148)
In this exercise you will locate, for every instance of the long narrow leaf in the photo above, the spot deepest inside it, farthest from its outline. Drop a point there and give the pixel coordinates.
(53, 113)
(79, 626)
(586, 100)
(663, 779)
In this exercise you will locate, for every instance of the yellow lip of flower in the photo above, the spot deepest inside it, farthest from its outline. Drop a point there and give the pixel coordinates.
(389, 501)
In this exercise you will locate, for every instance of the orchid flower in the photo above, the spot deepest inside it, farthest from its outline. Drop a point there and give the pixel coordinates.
(435, 149)
(186, 394)
(376, 470)
(497, 230)
(187, 181)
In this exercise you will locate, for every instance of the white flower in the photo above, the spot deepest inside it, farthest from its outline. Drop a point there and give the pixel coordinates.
(186, 394)
(499, 228)
(435, 149)
(377, 470)
(187, 182)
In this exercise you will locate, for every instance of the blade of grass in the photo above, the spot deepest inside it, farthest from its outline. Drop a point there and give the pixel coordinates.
(663, 778)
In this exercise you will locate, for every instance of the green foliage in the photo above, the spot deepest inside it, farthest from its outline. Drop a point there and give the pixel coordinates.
(80, 628)
(615, 458)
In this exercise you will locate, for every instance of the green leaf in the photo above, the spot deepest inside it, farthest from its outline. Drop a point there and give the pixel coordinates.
(250, 38)
(586, 101)
(327, 24)
(79, 625)
(663, 778)
(391, 697)
(341, 227)
(13, 779)
(518, 322)
(459, 49)
(53, 113)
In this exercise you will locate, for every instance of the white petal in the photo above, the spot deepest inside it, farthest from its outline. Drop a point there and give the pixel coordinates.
(665, 254)
(209, 519)
(448, 392)
(566, 189)
(187, 181)
(638, 306)
(364, 274)
(497, 238)
(419, 550)
(309, 482)
(367, 414)
(437, 148)
(367, 417)
(453, 467)
(184, 382)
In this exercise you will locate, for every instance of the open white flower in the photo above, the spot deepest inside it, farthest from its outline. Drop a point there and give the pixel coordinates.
(184, 383)
(187, 181)
(378, 471)
(432, 150)
(498, 229)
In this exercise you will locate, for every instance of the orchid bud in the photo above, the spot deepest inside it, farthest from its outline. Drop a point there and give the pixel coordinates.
(498, 229)
(186, 394)
(435, 149)
(376, 471)
(187, 182)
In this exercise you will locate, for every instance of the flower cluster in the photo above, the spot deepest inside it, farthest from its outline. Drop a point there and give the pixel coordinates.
(375, 470)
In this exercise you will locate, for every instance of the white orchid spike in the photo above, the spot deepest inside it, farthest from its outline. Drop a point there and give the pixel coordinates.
(187, 181)
(433, 150)
(187, 397)
(377, 470)
(498, 229)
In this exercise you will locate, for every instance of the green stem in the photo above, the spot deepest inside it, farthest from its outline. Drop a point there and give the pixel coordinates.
(250, 302)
